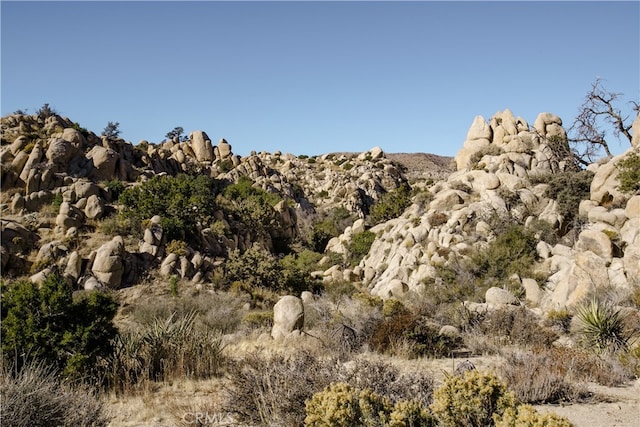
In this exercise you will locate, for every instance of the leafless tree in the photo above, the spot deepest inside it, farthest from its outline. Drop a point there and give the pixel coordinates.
(587, 134)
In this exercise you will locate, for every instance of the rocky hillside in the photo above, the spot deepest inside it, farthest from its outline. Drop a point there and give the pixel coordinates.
(513, 185)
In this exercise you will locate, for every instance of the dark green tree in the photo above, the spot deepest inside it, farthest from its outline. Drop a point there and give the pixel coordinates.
(112, 130)
(46, 323)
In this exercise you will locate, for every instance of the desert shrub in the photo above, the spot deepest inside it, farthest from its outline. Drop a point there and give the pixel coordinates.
(168, 348)
(328, 227)
(417, 332)
(386, 380)
(360, 245)
(115, 187)
(601, 327)
(471, 400)
(222, 311)
(36, 397)
(178, 247)
(569, 188)
(121, 225)
(252, 205)
(410, 414)
(182, 201)
(390, 205)
(511, 252)
(343, 405)
(515, 325)
(297, 269)
(490, 150)
(46, 111)
(46, 323)
(629, 173)
(393, 307)
(255, 267)
(559, 320)
(273, 391)
(527, 416)
(538, 377)
(57, 201)
(258, 319)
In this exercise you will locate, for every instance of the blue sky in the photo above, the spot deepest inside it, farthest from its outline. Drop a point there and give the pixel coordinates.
(314, 77)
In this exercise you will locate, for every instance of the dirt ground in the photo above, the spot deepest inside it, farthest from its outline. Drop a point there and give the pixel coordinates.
(179, 404)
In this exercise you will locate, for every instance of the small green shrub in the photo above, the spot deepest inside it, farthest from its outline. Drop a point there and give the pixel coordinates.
(360, 245)
(173, 285)
(115, 187)
(390, 205)
(569, 188)
(527, 416)
(341, 405)
(512, 252)
(57, 201)
(410, 414)
(178, 247)
(471, 400)
(629, 173)
(258, 319)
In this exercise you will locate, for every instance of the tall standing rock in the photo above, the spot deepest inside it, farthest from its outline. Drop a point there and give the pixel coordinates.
(288, 316)
(201, 145)
(108, 265)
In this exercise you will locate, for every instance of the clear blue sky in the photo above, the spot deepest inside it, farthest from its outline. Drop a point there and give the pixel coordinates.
(314, 77)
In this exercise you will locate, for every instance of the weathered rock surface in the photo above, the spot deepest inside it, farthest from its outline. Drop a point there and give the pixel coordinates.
(288, 316)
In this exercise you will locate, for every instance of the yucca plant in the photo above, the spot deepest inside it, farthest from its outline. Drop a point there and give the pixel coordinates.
(602, 327)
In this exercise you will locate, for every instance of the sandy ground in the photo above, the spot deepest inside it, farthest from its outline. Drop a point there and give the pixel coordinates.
(179, 404)
(621, 408)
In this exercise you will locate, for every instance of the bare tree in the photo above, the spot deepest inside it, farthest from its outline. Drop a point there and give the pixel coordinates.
(587, 135)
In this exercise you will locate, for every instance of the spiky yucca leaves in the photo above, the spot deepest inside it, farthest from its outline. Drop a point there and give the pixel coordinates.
(602, 327)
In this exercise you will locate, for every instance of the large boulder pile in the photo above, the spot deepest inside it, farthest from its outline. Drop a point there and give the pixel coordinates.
(497, 170)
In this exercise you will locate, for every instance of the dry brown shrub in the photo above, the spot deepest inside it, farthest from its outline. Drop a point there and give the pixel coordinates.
(539, 377)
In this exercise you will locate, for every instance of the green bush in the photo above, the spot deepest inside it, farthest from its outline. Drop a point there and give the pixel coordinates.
(471, 400)
(46, 323)
(360, 245)
(331, 226)
(255, 267)
(341, 405)
(569, 188)
(512, 252)
(410, 414)
(115, 188)
(182, 201)
(629, 173)
(390, 205)
(527, 416)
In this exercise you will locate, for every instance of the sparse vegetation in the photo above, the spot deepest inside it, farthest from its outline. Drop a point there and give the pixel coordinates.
(390, 205)
(629, 173)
